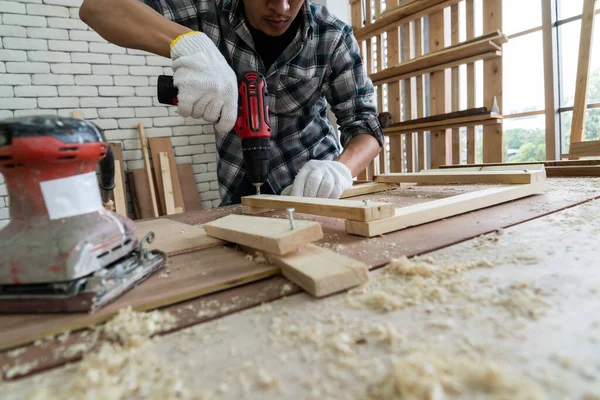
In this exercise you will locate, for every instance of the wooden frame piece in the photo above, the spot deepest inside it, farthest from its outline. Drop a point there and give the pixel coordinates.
(164, 144)
(148, 168)
(272, 235)
(437, 177)
(320, 271)
(480, 119)
(367, 188)
(418, 214)
(355, 210)
(167, 186)
(119, 190)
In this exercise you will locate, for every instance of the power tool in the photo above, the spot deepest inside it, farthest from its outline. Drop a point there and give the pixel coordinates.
(252, 125)
(62, 251)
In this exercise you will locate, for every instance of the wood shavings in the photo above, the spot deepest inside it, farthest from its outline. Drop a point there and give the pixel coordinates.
(522, 299)
(20, 369)
(257, 257)
(17, 352)
(432, 376)
(131, 328)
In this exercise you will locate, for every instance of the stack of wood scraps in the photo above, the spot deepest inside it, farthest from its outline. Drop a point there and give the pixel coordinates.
(288, 245)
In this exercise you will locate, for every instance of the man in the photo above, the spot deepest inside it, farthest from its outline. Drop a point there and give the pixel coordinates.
(309, 59)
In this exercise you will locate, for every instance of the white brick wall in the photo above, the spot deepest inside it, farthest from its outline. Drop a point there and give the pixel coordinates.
(52, 63)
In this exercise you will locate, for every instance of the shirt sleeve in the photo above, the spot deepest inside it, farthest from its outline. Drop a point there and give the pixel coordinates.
(184, 12)
(350, 92)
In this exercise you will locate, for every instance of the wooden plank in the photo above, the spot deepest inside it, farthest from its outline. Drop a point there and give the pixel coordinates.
(408, 108)
(174, 237)
(347, 209)
(191, 275)
(493, 148)
(441, 117)
(167, 186)
(457, 177)
(583, 69)
(148, 170)
(272, 235)
(409, 11)
(418, 214)
(589, 148)
(394, 100)
(437, 91)
(366, 188)
(189, 190)
(421, 144)
(163, 144)
(117, 150)
(480, 119)
(551, 96)
(455, 82)
(470, 24)
(550, 163)
(321, 272)
(438, 57)
(119, 190)
(573, 171)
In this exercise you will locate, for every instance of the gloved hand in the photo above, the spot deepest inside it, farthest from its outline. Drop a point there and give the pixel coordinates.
(324, 179)
(206, 83)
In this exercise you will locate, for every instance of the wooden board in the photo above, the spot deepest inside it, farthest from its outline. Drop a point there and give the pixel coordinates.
(117, 150)
(471, 87)
(167, 185)
(174, 237)
(158, 145)
(366, 188)
(481, 119)
(346, 209)
(438, 60)
(191, 275)
(148, 170)
(437, 91)
(140, 193)
(457, 177)
(583, 73)
(320, 271)
(272, 235)
(118, 192)
(589, 148)
(408, 11)
(434, 210)
(493, 148)
(189, 190)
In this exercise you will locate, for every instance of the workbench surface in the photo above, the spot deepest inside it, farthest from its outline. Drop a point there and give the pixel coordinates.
(512, 313)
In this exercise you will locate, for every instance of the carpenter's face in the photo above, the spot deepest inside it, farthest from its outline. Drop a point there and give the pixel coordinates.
(273, 17)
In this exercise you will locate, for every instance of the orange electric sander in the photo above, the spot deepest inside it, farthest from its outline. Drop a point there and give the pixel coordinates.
(62, 250)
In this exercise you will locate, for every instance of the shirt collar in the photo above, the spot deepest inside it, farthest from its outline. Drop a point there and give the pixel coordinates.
(235, 8)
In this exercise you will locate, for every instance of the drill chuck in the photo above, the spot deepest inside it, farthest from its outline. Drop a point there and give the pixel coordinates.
(256, 158)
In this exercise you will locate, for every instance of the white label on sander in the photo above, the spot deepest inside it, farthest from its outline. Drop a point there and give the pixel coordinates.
(75, 195)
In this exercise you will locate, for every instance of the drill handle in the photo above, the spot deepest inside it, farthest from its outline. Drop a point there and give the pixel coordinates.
(167, 91)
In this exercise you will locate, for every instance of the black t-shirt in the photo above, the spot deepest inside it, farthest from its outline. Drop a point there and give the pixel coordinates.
(269, 48)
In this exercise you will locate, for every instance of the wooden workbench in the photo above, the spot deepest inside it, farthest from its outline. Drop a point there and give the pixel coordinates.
(376, 252)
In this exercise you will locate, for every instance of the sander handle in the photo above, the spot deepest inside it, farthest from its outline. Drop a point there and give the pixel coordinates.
(166, 91)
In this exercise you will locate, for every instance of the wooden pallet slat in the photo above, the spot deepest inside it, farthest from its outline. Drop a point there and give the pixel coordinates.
(444, 177)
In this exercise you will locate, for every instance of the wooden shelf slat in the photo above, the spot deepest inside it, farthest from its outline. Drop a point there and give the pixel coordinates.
(476, 120)
(407, 12)
(439, 60)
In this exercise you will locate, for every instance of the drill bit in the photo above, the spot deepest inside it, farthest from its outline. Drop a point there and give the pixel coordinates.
(257, 188)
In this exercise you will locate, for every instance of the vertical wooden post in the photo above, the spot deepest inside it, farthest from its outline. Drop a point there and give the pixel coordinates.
(454, 26)
(493, 145)
(583, 68)
(420, 99)
(552, 103)
(394, 99)
(408, 114)
(437, 90)
(470, 17)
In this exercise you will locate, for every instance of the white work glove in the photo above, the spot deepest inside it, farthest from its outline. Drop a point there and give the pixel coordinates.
(323, 179)
(207, 85)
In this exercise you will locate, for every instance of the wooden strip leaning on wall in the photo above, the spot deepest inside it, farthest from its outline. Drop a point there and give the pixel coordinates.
(583, 69)
(394, 100)
(437, 90)
(454, 26)
(420, 99)
(470, 23)
(408, 110)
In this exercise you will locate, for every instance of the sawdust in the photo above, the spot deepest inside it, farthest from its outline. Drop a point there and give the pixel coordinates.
(433, 376)
(406, 283)
(19, 369)
(130, 328)
(17, 352)
(522, 299)
(258, 257)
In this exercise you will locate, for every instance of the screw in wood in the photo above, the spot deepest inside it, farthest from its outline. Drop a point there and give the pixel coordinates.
(366, 203)
(290, 212)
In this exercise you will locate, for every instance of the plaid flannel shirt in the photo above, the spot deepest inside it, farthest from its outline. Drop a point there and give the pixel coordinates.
(322, 65)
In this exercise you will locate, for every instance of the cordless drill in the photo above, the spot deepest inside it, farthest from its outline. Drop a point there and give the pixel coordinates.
(252, 124)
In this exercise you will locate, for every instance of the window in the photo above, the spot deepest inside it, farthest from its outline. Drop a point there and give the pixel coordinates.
(525, 139)
(521, 15)
(523, 74)
(592, 127)
(571, 8)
